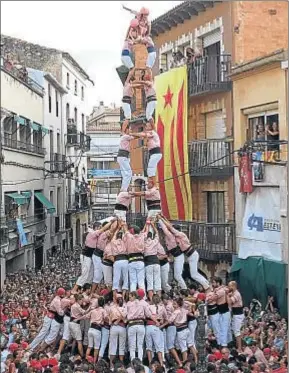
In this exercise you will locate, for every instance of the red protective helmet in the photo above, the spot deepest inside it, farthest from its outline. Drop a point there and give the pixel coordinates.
(144, 11)
(134, 23)
(60, 292)
(140, 293)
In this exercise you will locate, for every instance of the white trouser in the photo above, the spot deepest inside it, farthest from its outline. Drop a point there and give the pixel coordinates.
(153, 338)
(193, 263)
(42, 333)
(127, 61)
(107, 274)
(214, 321)
(75, 331)
(153, 213)
(150, 108)
(136, 334)
(151, 58)
(224, 327)
(153, 277)
(178, 271)
(94, 338)
(171, 333)
(53, 332)
(136, 272)
(97, 269)
(153, 163)
(66, 333)
(84, 326)
(192, 328)
(237, 322)
(117, 338)
(184, 339)
(104, 341)
(165, 269)
(126, 172)
(120, 214)
(86, 271)
(120, 272)
(126, 110)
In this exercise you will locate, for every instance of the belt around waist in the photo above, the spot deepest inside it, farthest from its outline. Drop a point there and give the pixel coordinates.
(212, 309)
(120, 207)
(151, 259)
(106, 326)
(87, 251)
(123, 153)
(135, 322)
(154, 205)
(151, 98)
(237, 310)
(223, 308)
(126, 99)
(95, 326)
(120, 323)
(120, 257)
(180, 328)
(151, 323)
(156, 150)
(163, 262)
(191, 318)
(107, 262)
(176, 251)
(190, 251)
(98, 252)
(74, 321)
(135, 257)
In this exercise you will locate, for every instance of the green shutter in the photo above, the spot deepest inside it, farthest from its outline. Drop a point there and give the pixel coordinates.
(18, 198)
(35, 126)
(20, 120)
(45, 130)
(45, 202)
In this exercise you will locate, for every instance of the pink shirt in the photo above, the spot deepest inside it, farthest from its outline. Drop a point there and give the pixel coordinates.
(150, 91)
(134, 242)
(152, 194)
(169, 308)
(169, 237)
(65, 303)
(153, 140)
(179, 316)
(77, 312)
(118, 247)
(211, 298)
(236, 299)
(137, 310)
(124, 143)
(97, 316)
(108, 250)
(160, 250)
(181, 239)
(91, 239)
(124, 198)
(116, 312)
(102, 240)
(220, 295)
(151, 246)
(159, 312)
(55, 305)
(127, 90)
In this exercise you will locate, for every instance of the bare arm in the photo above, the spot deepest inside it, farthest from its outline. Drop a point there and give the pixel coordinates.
(138, 135)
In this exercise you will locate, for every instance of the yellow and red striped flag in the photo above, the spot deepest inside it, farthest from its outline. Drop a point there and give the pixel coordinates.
(171, 122)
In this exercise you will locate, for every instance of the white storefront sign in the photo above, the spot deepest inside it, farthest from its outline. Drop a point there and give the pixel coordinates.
(261, 228)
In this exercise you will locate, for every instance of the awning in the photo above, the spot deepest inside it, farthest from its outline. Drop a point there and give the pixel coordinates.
(35, 126)
(45, 130)
(45, 202)
(20, 199)
(26, 194)
(20, 120)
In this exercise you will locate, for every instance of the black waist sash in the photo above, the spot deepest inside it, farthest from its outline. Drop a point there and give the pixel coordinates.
(153, 205)
(123, 153)
(156, 150)
(95, 326)
(120, 207)
(126, 99)
(87, 251)
(151, 98)
(212, 309)
(151, 259)
(176, 251)
(163, 262)
(223, 308)
(98, 252)
(107, 262)
(120, 257)
(237, 310)
(57, 317)
(135, 257)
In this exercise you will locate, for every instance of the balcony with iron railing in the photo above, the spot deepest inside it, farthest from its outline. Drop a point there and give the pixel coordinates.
(214, 241)
(77, 139)
(78, 202)
(58, 163)
(21, 74)
(211, 158)
(9, 142)
(38, 219)
(209, 74)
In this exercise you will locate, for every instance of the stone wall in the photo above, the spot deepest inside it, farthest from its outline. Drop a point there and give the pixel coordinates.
(32, 55)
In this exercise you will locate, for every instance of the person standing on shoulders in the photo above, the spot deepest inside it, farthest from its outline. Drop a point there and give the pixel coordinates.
(236, 304)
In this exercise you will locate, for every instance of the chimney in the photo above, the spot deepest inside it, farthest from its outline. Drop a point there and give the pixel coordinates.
(101, 103)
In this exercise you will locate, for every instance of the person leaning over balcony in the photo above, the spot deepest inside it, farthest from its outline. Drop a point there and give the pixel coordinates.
(153, 144)
(123, 157)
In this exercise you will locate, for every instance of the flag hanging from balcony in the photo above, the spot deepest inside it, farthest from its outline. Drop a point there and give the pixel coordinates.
(171, 123)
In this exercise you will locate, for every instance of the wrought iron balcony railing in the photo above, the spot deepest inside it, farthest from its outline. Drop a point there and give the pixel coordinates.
(26, 220)
(214, 241)
(211, 158)
(77, 139)
(12, 143)
(58, 163)
(209, 74)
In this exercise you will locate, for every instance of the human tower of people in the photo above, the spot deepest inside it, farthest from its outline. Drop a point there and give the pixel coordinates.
(137, 308)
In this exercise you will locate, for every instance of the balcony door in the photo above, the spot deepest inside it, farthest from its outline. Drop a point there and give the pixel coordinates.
(216, 216)
(215, 130)
(212, 61)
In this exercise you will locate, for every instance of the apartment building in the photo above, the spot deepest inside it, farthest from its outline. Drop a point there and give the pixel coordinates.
(222, 34)
(73, 78)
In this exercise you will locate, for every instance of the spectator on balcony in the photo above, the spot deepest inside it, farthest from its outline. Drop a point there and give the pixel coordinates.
(273, 136)
(260, 132)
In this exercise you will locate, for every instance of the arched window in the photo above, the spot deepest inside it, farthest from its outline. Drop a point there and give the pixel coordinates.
(75, 115)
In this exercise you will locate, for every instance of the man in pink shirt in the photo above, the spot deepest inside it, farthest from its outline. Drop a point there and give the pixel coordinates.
(153, 199)
(123, 158)
(134, 241)
(123, 200)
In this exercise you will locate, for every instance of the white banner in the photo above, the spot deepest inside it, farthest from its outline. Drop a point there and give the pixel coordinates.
(261, 228)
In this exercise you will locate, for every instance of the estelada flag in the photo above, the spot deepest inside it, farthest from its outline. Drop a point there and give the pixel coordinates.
(171, 122)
